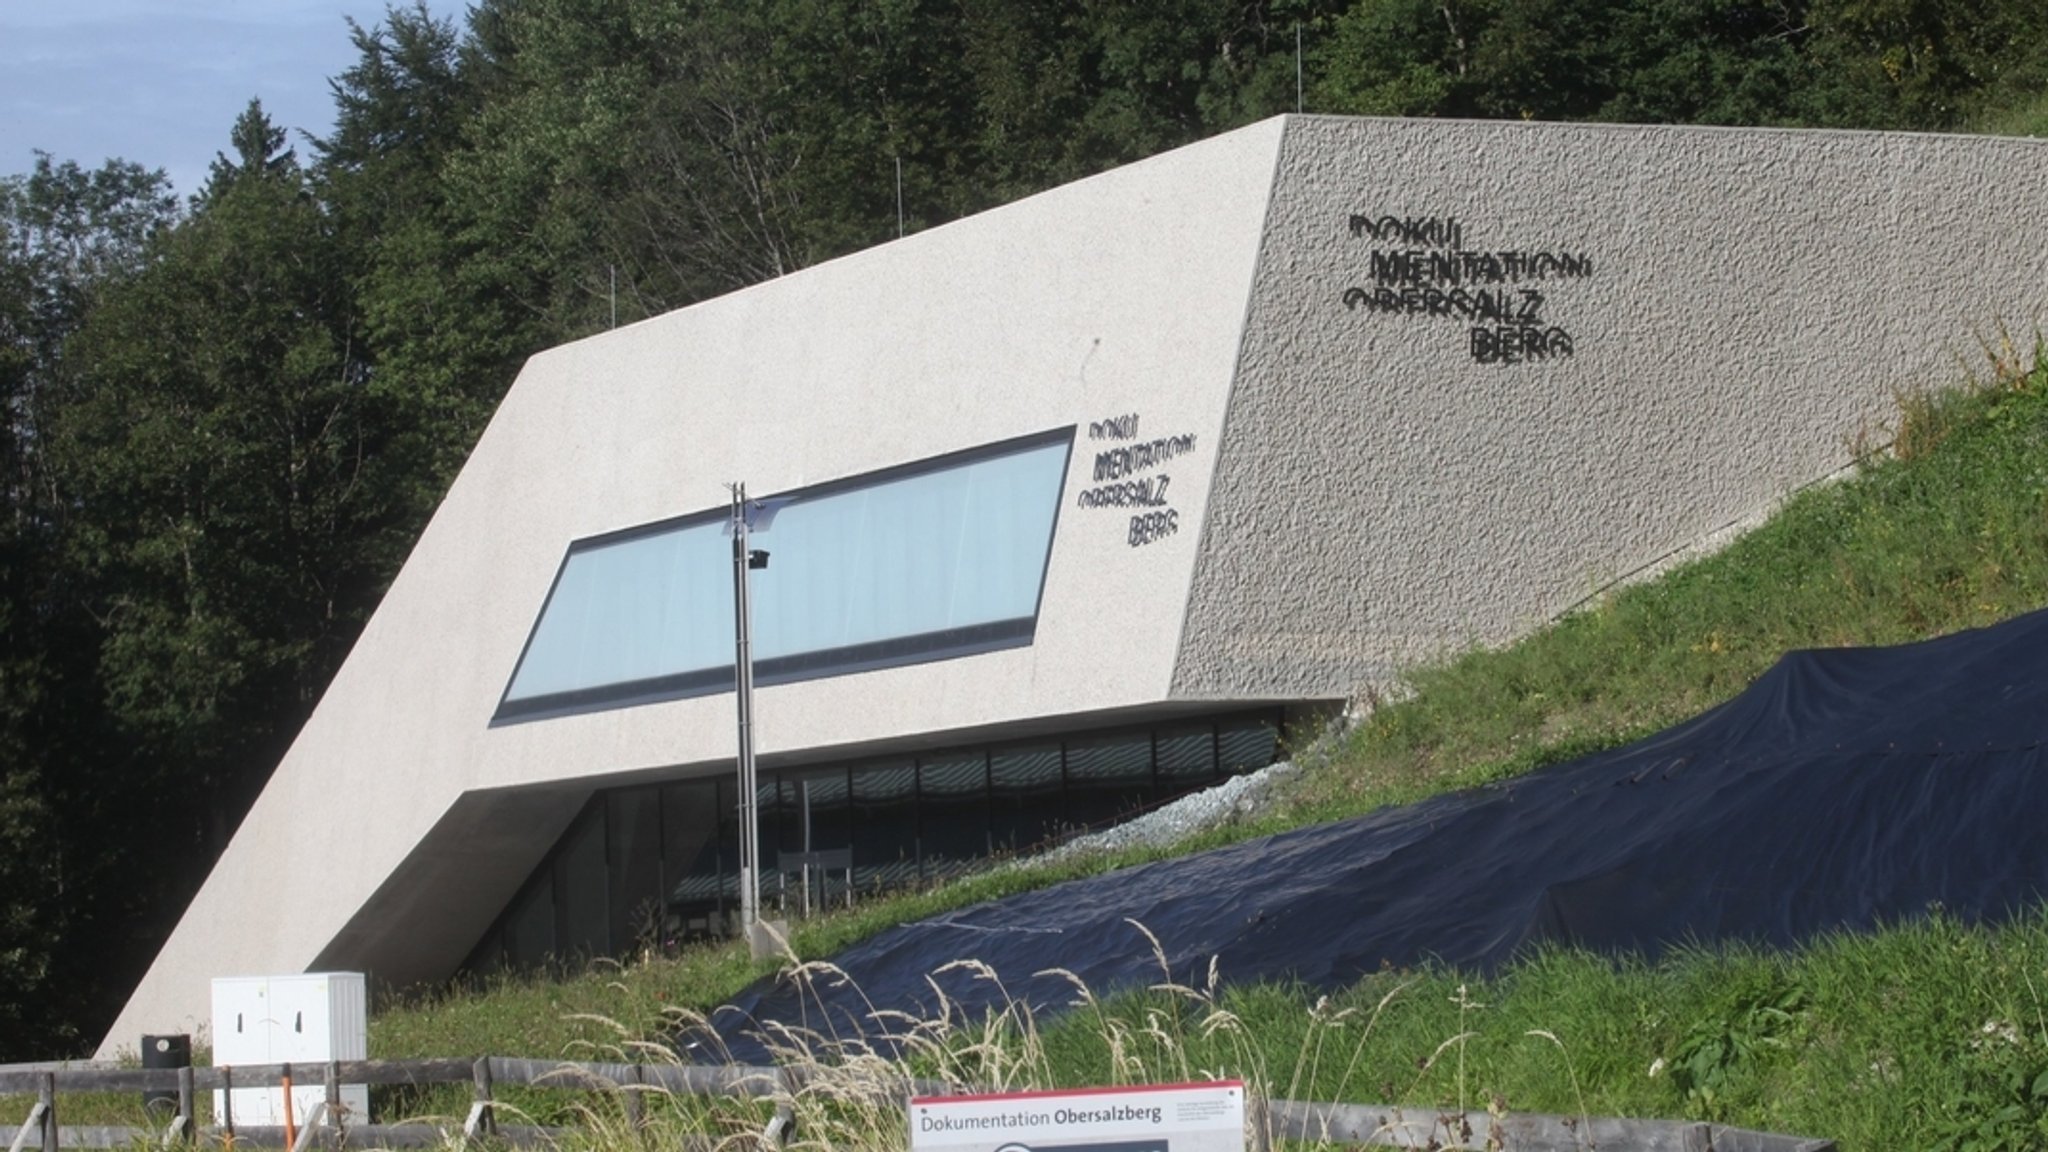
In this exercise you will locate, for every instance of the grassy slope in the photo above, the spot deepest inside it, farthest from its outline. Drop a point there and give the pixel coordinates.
(2025, 116)
(1877, 1040)
(1947, 534)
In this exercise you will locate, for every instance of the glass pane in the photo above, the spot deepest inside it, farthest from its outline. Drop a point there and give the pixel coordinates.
(634, 844)
(637, 609)
(820, 821)
(530, 930)
(1246, 745)
(1108, 777)
(728, 812)
(1027, 802)
(831, 812)
(945, 550)
(1187, 756)
(581, 907)
(788, 828)
(489, 956)
(953, 816)
(884, 826)
(916, 564)
(690, 864)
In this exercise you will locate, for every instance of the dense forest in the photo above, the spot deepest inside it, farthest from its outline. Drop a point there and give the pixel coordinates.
(226, 418)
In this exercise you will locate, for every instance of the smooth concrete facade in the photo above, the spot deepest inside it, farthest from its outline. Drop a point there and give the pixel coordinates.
(1354, 481)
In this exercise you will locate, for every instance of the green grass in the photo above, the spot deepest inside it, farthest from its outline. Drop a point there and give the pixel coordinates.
(2026, 116)
(1929, 1035)
(1878, 1040)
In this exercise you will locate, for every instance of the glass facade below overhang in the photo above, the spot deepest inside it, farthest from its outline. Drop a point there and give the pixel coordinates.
(646, 867)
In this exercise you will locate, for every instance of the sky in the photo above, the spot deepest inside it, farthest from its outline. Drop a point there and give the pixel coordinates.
(160, 82)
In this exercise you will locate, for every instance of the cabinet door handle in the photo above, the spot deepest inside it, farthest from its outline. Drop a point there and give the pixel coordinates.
(238, 1021)
(298, 1021)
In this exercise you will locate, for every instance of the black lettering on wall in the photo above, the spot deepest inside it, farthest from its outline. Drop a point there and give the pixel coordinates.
(1514, 345)
(1138, 457)
(1115, 428)
(1117, 483)
(1427, 231)
(1413, 268)
(1427, 271)
(1147, 527)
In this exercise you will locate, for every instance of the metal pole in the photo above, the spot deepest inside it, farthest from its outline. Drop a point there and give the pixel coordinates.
(743, 676)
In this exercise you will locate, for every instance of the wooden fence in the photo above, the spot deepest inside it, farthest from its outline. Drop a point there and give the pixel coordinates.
(330, 1127)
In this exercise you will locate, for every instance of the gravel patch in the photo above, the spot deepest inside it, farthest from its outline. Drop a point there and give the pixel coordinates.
(1237, 798)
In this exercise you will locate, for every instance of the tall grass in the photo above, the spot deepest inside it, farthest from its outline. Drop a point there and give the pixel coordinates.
(1930, 1035)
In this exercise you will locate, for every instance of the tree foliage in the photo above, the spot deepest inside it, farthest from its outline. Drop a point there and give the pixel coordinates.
(223, 427)
(67, 236)
(1818, 63)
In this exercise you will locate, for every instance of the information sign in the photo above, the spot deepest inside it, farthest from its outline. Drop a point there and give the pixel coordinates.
(1205, 1117)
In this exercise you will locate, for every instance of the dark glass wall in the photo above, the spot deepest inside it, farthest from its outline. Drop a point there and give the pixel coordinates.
(953, 812)
(1027, 796)
(650, 866)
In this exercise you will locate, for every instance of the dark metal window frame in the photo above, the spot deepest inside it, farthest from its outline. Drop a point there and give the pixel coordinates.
(893, 652)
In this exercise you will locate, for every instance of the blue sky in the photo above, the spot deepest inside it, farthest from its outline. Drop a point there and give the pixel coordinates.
(160, 82)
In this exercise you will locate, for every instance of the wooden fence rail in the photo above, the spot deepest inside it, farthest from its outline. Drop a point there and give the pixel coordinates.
(329, 1127)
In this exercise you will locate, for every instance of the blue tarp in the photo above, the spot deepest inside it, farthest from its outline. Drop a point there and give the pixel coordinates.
(1846, 788)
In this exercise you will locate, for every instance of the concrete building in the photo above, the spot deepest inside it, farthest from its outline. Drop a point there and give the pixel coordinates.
(1085, 494)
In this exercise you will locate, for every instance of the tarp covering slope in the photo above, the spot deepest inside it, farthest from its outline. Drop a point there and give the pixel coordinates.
(1844, 789)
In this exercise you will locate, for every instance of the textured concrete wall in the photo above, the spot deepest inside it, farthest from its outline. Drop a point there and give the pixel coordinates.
(400, 823)
(1721, 313)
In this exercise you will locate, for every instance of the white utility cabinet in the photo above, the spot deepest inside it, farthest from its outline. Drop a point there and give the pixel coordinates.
(307, 1019)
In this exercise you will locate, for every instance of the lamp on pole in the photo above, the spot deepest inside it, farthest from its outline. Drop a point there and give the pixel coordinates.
(744, 560)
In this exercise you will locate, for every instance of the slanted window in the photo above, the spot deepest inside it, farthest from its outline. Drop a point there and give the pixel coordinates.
(941, 558)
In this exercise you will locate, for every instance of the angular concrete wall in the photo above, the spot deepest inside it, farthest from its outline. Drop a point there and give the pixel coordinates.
(401, 823)
(1713, 316)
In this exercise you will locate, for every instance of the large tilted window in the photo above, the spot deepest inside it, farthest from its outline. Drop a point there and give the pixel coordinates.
(941, 558)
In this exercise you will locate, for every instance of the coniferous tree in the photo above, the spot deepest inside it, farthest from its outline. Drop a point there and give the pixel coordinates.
(234, 516)
(67, 236)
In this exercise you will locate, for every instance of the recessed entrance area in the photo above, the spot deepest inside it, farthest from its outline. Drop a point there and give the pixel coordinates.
(650, 866)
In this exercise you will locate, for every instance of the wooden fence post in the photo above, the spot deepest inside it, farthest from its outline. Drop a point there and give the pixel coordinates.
(481, 1120)
(48, 1095)
(1261, 1121)
(335, 1119)
(636, 1113)
(185, 1103)
(227, 1106)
